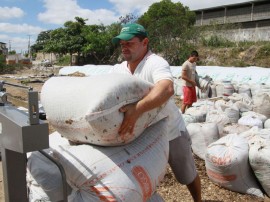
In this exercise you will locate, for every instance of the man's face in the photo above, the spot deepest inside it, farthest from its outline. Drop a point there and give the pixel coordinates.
(193, 59)
(133, 49)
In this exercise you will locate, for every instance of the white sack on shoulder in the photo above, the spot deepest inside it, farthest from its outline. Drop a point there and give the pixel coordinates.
(86, 109)
(125, 173)
(227, 165)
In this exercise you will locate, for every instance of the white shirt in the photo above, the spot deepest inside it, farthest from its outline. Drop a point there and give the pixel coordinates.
(154, 68)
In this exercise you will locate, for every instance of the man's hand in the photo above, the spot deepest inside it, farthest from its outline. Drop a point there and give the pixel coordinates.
(131, 115)
(193, 83)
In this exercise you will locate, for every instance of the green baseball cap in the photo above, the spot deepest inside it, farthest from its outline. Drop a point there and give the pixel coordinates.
(129, 31)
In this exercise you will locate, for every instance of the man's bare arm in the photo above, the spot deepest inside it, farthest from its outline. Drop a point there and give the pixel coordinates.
(161, 92)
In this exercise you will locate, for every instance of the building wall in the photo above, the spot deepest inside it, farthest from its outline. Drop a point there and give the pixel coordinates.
(253, 17)
(49, 56)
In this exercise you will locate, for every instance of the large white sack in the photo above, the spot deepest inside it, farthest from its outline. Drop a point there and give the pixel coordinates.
(254, 132)
(231, 128)
(262, 117)
(267, 123)
(227, 165)
(188, 119)
(202, 134)
(262, 103)
(243, 107)
(86, 109)
(44, 180)
(43, 177)
(232, 113)
(259, 158)
(244, 88)
(218, 117)
(125, 173)
(250, 120)
(198, 113)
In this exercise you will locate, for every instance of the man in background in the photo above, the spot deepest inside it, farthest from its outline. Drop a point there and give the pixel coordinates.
(142, 63)
(189, 84)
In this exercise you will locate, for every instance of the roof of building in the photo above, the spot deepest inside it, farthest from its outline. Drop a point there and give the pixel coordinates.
(231, 5)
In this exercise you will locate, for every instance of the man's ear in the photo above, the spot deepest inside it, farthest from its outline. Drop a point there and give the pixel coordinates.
(145, 41)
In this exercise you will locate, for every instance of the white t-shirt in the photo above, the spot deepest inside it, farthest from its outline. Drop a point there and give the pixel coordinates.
(154, 68)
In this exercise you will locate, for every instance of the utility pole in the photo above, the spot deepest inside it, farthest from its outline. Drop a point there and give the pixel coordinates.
(29, 51)
(9, 45)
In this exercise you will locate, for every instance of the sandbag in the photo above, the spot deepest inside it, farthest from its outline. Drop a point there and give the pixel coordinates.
(202, 134)
(262, 117)
(231, 128)
(267, 123)
(245, 88)
(43, 178)
(232, 113)
(218, 117)
(250, 120)
(254, 132)
(227, 165)
(86, 109)
(262, 103)
(259, 158)
(189, 119)
(124, 173)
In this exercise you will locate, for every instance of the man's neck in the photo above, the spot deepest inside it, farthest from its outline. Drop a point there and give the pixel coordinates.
(133, 65)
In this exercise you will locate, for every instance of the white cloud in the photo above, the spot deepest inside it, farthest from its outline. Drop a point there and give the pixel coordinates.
(19, 28)
(16, 43)
(125, 7)
(9, 13)
(56, 13)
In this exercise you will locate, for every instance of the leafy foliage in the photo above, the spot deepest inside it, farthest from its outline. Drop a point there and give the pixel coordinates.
(216, 41)
(170, 28)
(264, 51)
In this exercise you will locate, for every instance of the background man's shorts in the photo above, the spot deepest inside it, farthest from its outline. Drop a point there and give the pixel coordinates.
(189, 95)
(181, 159)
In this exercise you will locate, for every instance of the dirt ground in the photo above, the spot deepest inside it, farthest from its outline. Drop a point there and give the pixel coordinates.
(170, 189)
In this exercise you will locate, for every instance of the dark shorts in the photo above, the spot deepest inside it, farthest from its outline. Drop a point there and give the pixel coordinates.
(189, 95)
(181, 159)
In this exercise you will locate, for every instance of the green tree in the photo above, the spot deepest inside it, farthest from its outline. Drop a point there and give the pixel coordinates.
(170, 29)
(98, 47)
(42, 39)
(68, 39)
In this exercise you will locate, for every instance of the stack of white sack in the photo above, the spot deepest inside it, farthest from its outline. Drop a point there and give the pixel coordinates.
(124, 173)
(227, 164)
(86, 109)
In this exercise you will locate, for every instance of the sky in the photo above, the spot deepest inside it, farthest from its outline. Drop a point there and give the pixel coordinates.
(22, 20)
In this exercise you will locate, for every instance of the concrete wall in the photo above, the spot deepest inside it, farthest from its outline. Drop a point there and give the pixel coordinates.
(50, 56)
(255, 31)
